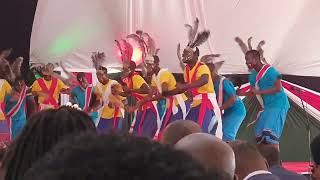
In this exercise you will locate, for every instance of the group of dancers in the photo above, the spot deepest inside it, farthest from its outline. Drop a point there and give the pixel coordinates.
(204, 97)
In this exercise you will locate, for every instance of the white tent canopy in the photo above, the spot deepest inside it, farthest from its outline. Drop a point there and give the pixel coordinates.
(71, 30)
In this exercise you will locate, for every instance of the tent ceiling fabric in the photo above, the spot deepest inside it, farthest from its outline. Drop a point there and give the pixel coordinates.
(71, 30)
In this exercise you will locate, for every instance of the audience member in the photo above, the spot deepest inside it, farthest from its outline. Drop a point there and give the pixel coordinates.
(250, 164)
(179, 129)
(41, 133)
(272, 155)
(214, 154)
(315, 151)
(114, 157)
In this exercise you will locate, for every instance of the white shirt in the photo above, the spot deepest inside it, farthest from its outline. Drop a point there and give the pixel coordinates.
(256, 173)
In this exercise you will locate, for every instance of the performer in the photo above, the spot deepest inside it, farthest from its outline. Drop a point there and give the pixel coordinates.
(5, 89)
(145, 119)
(232, 106)
(198, 78)
(265, 82)
(163, 81)
(15, 107)
(83, 95)
(48, 89)
(145, 122)
(108, 91)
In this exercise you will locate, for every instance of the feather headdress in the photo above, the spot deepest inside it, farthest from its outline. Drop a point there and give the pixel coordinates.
(245, 48)
(212, 59)
(9, 71)
(195, 38)
(126, 50)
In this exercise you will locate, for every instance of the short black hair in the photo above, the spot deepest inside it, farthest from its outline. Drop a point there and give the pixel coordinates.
(41, 133)
(80, 75)
(271, 154)
(111, 156)
(254, 53)
(104, 69)
(315, 149)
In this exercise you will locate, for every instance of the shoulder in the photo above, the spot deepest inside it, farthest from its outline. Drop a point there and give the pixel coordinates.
(203, 69)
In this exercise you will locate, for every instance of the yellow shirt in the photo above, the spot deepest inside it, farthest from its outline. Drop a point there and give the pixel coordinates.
(108, 112)
(207, 88)
(4, 90)
(138, 81)
(36, 88)
(168, 78)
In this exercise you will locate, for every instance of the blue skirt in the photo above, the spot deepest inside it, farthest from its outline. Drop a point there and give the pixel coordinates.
(18, 124)
(231, 122)
(149, 125)
(106, 125)
(193, 115)
(270, 124)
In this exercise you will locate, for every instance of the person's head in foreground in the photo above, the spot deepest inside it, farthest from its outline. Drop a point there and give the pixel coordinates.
(315, 151)
(41, 133)
(250, 164)
(111, 156)
(272, 155)
(178, 130)
(214, 154)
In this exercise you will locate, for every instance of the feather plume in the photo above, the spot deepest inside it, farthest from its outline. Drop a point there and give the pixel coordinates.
(192, 31)
(261, 51)
(157, 51)
(189, 28)
(209, 57)
(139, 32)
(138, 39)
(200, 39)
(16, 67)
(179, 56)
(150, 43)
(218, 65)
(6, 71)
(242, 45)
(249, 43)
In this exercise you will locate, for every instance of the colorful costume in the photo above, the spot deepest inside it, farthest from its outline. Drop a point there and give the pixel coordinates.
(145, 121)
(176, 108)
(52, 88)
(83, 98)
(112, 114)
(16, 113)
(274, 107)
(204, 106)
(5, 89)
(235, 114)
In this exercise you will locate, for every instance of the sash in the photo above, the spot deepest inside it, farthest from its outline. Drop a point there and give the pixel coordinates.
(263, 71)
(87, 97)
(13, 111)
(105, 97)
(44, 88)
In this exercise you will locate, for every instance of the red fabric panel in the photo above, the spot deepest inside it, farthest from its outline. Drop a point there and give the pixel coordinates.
(307, 96)
(298, 167)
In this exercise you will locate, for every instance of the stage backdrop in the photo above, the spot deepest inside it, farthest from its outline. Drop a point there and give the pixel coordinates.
(70, 30)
